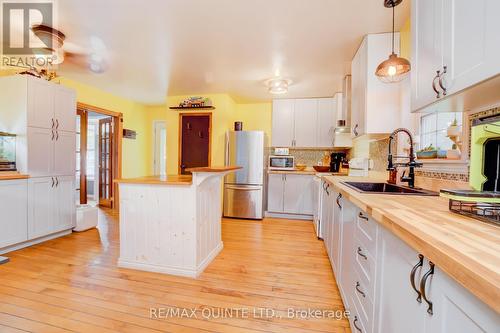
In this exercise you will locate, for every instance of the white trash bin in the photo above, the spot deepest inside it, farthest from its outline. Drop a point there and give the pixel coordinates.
(86, 217)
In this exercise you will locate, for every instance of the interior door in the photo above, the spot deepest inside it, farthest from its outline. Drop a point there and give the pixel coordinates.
(106, 162)
(195, 141)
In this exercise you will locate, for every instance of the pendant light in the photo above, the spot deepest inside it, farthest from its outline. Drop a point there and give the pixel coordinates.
(394, 69)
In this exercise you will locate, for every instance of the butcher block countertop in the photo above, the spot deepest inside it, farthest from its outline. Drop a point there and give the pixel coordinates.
(466, 249)
(7, 175)
(214, 169)
(307, 171)
(158, 180)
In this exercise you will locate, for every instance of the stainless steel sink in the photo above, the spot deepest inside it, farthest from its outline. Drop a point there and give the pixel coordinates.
(385, 188)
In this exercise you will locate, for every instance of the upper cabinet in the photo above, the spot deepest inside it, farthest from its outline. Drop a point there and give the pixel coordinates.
(374, 105)
(306, 122)
(455, 46)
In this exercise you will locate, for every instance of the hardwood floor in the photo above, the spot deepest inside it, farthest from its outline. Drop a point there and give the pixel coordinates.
(72, 284)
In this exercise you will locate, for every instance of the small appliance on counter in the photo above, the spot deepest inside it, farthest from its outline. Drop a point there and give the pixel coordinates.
(281, 162)
(336, 161)
(281, 151)
(360, 166)
(483, 202)
(7, 152)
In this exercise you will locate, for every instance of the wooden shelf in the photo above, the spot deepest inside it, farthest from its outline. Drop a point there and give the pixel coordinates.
(192, 108)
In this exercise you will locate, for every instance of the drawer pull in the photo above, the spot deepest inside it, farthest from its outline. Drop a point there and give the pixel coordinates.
(359, 290)
(355, 323)
(338, 200)
(438, 94)
(423, 282)
(445, 70)
(412, 277)
(361, 254)
(361, 216)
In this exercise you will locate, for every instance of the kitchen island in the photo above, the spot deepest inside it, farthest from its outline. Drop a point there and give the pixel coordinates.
(171, 224)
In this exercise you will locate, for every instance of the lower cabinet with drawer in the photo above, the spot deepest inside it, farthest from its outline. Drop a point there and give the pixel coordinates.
(388, 287)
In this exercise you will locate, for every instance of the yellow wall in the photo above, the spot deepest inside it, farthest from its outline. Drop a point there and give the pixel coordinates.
(405, 35)
(136, 155)
(254, 117)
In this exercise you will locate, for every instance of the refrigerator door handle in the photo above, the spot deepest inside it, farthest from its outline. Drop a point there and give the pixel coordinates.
(227, 150)
(243, 188)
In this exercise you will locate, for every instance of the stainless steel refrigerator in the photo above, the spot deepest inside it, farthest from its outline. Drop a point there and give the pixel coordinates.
(244, 189)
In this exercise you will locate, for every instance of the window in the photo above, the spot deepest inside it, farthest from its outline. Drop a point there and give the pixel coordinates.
(433, 129)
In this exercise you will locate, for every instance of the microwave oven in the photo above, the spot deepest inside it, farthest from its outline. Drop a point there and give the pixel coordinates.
(277, 162)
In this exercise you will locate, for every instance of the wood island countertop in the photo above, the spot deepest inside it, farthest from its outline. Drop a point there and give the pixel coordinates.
(7, 175)
(158, 180)
(214, 169)
(465, 248)
(305, 172)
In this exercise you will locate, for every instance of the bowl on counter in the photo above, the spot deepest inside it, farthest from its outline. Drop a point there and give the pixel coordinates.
(321, 168)
(300, 167)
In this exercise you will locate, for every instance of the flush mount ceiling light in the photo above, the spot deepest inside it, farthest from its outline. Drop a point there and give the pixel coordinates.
(278, 85)
(395, 68)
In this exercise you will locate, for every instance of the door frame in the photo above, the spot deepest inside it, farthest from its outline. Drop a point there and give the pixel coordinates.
(83, 109)
(196, 114)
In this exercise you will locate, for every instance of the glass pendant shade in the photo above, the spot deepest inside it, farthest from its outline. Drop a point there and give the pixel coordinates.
(394, 69)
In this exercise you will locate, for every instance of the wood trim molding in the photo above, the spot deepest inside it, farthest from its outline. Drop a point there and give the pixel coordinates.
(88, 107)
(196, 114)
(84, 118)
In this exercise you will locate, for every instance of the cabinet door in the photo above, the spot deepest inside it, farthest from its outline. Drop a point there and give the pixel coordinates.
(40, 103)
(298, 194)
(65, 109)
(306, 117)
(426, 50)
(337, 233)
(283, 123)
(471, 43)
(327, 118)
(41, 214)
(325, 215)
(64, 153)
(455, 309)
(65, 203)
(41, 152)
(347, 274)
(399, 310)
(14, 208)
(358, 90)
(275, 193)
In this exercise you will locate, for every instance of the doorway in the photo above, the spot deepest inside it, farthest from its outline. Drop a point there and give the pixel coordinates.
(160, 148)
(195, 138)
(99, 136)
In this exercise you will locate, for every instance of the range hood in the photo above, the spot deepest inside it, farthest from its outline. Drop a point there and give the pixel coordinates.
(342, 132)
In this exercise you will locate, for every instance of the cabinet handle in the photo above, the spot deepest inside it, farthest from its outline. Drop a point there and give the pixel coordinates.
(423, 282)
(52, 182)
(57, 123)
(57, 182)
(52, 139)
(445, 70)
(420, 263)
(355, 323)
(359, 290)
(57, 135)
(326, 189)
(361, 216)
(438, 94)
(324, 186)
(361, 254)
(355, 131)
(338, 200)
(52, 123)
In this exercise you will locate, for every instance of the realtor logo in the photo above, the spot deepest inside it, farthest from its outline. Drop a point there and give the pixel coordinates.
(20, 47)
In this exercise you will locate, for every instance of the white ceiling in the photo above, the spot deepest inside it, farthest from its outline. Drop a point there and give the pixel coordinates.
(173, 47)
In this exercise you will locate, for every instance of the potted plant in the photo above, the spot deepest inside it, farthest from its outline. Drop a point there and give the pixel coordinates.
(427, 152)
(453, 130)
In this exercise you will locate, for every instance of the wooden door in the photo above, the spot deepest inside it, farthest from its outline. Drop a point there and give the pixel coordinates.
(195, 132)
(106, 162)
(283, 123)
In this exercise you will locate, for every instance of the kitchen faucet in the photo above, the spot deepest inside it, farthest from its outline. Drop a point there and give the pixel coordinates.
(412, 164)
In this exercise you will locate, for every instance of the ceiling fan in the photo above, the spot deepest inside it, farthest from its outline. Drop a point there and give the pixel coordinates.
(92, 58)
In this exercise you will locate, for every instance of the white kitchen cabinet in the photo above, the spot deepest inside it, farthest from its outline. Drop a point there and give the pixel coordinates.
(40, 153)
(64, 100)
(337, 222)
(326, 216)
(276, 186)
(51, 205)
(347, 272)
(64, 146)
(375, 105)
(298, 194)
(41, 213)
(460, 36)
(290, 194)
(306, 122)
(283, 123)
(13, 205)
(327, 120)
(40, 95)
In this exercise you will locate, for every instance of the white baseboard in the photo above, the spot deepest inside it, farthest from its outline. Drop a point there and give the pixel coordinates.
(172, 270)
(34, 241)
(289, 216)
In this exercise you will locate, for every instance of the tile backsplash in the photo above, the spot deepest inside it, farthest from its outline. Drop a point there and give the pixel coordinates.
(309, 156)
